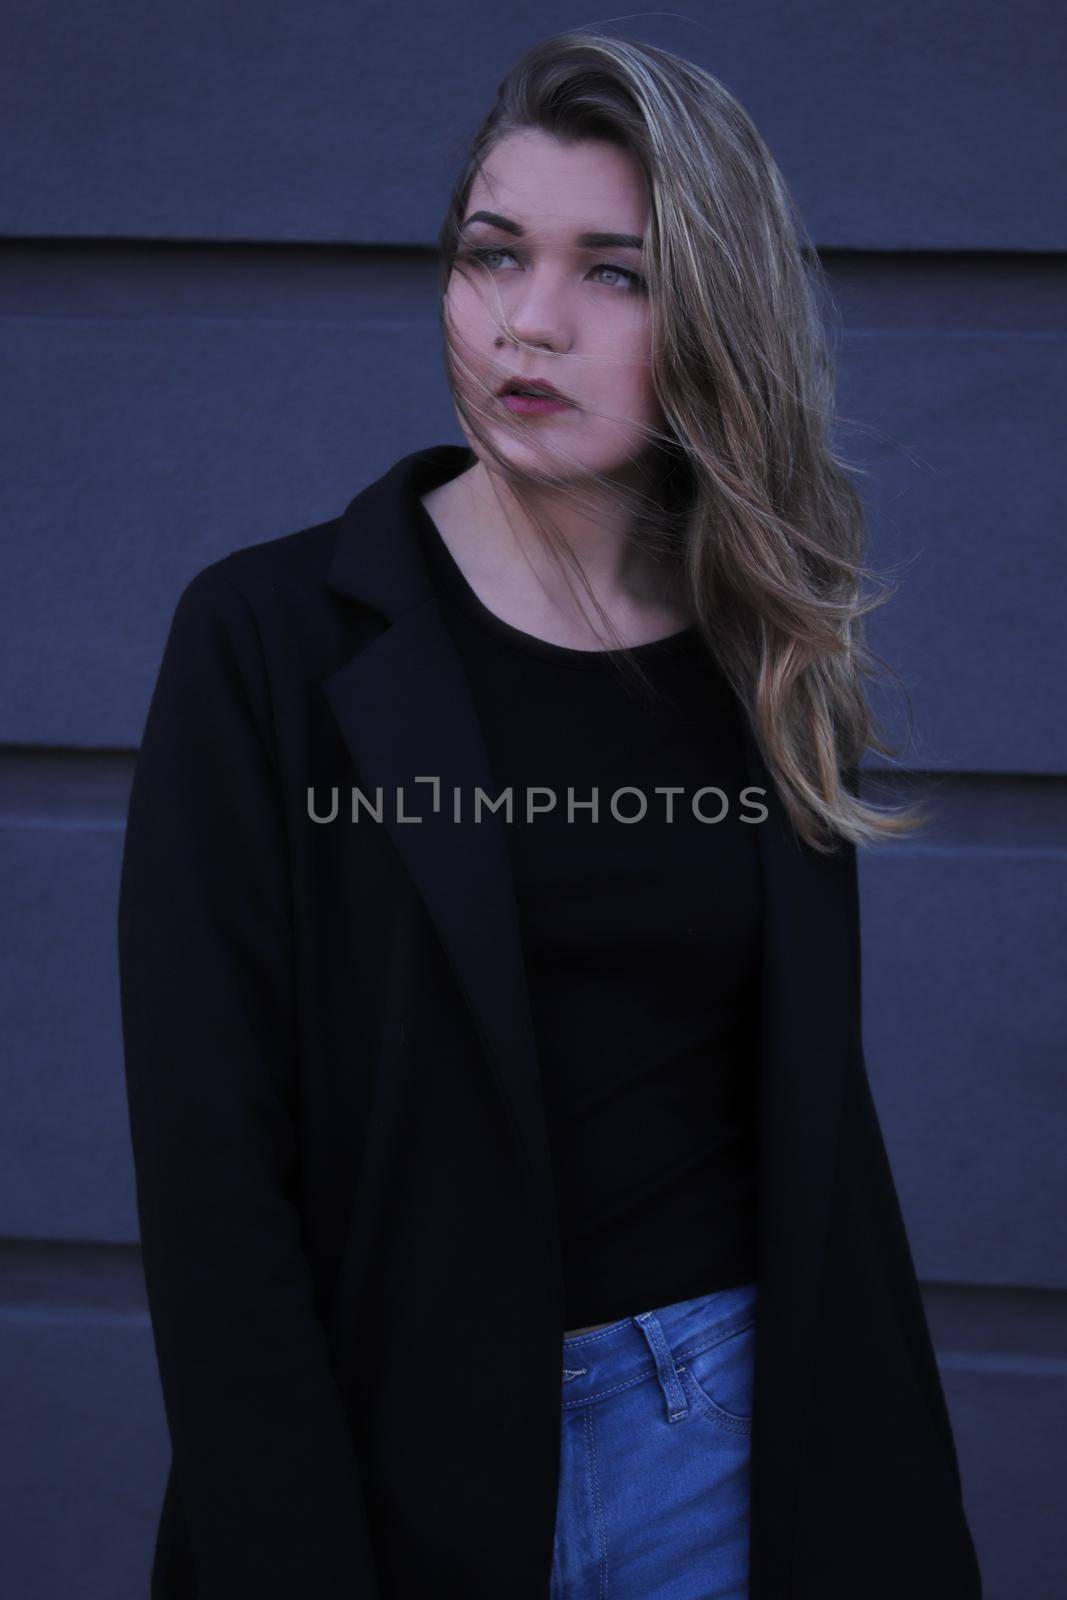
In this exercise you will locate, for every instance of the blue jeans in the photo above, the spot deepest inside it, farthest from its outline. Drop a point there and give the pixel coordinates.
(654, 1454)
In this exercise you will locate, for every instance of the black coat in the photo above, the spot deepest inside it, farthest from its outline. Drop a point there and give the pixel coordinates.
(343, 1173)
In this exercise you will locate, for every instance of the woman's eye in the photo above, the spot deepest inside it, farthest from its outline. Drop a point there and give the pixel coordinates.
(483, 252)
(624, 278)
(631, 280)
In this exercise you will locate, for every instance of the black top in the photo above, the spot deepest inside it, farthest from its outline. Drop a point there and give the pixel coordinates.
(641, 941)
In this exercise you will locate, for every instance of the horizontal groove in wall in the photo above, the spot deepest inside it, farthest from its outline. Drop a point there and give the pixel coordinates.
(55, 1278)
(1004, 813)
(905, 291)
(977, 1326)
(974, 1327)
(64, 788)
(1008, 1363)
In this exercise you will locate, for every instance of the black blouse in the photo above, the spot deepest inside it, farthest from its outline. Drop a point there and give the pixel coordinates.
(641, 941)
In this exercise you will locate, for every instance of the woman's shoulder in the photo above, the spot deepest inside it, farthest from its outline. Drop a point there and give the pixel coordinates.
(272, 603)
(290, 582)
(287, 565)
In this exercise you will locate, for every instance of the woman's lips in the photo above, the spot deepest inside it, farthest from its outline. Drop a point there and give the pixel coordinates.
(534, 405)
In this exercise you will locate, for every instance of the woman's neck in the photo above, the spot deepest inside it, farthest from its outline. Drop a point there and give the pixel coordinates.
(493, 537)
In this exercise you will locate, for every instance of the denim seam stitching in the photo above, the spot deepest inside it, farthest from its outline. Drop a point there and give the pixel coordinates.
(598, 1394)
(712, 1411)
(717, 1338)
(598, 1509)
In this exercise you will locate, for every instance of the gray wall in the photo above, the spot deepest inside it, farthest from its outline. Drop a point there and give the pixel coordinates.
(216, 229)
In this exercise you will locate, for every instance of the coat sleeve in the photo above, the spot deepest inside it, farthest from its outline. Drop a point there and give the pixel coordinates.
(263, 1454)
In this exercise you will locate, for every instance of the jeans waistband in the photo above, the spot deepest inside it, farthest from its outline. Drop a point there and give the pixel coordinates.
(652, 1343)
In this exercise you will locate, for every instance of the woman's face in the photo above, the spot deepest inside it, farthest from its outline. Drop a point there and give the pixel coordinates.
(579, 303)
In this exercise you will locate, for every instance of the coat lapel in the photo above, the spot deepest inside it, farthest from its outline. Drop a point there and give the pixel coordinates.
(404, 708)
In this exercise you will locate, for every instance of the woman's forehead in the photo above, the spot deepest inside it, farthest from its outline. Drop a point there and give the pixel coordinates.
(548, 186)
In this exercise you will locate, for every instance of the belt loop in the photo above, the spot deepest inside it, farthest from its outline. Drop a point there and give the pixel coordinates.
(670, 1383)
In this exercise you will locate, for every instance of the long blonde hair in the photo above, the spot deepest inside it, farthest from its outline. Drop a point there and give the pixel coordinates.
(745, 499)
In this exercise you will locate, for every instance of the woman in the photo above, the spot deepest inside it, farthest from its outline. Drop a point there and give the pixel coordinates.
(451, 1048)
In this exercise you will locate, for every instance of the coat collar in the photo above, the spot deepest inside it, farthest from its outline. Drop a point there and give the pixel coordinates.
(404, 707)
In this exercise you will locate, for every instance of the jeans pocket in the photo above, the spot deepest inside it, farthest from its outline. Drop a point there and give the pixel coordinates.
(718, 1376)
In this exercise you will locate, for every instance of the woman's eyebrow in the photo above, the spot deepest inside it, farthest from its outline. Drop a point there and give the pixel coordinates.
(585, 241)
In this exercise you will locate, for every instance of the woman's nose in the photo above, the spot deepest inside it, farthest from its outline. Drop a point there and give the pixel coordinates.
(540, 319)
